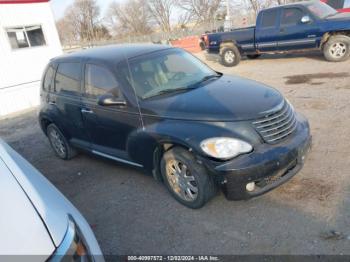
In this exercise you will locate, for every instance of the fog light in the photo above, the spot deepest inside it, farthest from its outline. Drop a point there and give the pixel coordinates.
(250, 186)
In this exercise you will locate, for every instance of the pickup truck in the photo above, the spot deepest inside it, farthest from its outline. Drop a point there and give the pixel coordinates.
(294, 27)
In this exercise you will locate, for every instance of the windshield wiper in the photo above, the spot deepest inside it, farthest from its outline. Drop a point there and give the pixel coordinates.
(170, 90)
(206, 78)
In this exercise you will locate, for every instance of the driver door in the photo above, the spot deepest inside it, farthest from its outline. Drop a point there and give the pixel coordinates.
(295, 34)
(109, 126)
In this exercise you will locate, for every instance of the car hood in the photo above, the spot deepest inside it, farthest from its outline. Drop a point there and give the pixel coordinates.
(22, 232)
(340, 17)
(228, 98)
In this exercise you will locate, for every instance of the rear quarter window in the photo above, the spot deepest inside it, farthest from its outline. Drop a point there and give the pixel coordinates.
(47, 81)
(68, 78)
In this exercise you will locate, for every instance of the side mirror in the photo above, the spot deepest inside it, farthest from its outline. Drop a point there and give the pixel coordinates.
(305, 19)
(110, 100)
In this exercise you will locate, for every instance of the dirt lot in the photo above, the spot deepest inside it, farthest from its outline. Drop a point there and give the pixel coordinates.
(132, 214)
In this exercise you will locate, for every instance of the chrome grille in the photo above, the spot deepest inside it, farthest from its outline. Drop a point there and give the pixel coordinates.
(277, 125)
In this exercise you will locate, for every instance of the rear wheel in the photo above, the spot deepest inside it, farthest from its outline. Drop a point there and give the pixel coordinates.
(186, 179)
(59, 143)
(230, 56)
(337, 48)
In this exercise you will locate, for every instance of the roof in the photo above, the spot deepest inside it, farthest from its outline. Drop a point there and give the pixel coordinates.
(113, 53)
(304, 3)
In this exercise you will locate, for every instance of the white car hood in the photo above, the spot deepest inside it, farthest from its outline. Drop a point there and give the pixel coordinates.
(22, 232)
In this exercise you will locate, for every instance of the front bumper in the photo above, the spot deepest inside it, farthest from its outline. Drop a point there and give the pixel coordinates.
(269, 166)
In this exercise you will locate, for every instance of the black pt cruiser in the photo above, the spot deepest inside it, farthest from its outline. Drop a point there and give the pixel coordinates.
(162, 110)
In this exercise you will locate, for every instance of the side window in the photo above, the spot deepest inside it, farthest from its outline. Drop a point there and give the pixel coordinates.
(347, 4)
(291, 16)
(68, 78)
(48, 78)
(99, 81)
(269, 18)
(26, 36)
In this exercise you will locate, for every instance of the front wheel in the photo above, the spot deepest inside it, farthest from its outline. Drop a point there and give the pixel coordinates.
(230, 56)
(337, 48)
(186, 179)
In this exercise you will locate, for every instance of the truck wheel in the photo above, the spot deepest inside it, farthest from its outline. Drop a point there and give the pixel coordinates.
(187, 181)
(253, 56)
(230, 56)
(337, 48)
(59, 143)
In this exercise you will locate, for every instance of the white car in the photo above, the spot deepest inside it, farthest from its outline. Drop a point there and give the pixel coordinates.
(36, 219)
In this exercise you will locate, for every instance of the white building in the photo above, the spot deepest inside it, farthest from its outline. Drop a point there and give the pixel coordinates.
(28, 40)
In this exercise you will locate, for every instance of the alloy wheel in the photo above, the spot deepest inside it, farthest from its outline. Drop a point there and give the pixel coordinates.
(229, 56)
(338, 50)
(181, 181)
(57, 143)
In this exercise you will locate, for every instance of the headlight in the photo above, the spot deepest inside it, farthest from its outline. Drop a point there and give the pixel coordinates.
(73, 246)
(225, 147)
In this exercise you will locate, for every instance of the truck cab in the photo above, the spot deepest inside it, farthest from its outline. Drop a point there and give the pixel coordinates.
(300, 26)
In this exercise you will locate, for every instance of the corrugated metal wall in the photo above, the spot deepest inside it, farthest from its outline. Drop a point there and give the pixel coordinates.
(21, 69)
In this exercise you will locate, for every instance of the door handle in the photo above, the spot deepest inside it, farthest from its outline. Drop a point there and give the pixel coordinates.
(52, 103)
(87, 111)
(282, 30)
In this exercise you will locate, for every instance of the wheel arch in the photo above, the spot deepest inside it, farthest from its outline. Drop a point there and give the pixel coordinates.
(327, 35)
(229, 43)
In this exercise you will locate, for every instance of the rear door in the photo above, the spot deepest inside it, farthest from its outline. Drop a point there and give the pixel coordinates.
(267, 30)
(293, 33)
(65, 100)
(109, 126)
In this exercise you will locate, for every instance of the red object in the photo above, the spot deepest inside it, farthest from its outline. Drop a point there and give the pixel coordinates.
(22, 1)
(341, 10)
(190, 44)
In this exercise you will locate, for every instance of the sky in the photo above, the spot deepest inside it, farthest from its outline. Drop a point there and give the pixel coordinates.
(59, 6)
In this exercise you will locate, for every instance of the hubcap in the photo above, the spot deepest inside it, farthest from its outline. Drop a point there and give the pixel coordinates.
(230, 56)
(57, 143)
(181, 181)
(338, 50)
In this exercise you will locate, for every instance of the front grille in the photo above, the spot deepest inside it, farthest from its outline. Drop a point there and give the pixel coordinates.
(277, 125)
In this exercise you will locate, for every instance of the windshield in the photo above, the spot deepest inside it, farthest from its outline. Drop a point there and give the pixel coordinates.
(166, 72)
(321, 10)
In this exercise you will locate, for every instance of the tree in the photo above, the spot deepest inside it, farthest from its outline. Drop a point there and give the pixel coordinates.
(81, 22)
(201, 11)
(161, 11)
(133, 18)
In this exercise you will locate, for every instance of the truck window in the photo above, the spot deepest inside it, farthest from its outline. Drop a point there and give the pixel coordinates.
(291, 16)
(68, 78)
(269, 18)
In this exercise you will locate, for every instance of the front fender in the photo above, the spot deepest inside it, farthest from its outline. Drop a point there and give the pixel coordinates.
(143, 142)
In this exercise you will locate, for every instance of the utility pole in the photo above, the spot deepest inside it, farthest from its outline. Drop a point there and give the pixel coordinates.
(227, 24)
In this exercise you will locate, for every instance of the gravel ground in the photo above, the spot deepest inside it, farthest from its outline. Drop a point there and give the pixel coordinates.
(130, 213)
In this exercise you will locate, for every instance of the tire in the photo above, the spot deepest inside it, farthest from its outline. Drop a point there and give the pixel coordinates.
(59, 143)
(255, 56)
(202, 187)
(230, 56)
(337, 48)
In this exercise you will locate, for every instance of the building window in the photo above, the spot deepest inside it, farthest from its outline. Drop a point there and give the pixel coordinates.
(26, 36)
